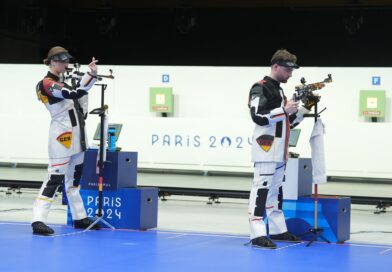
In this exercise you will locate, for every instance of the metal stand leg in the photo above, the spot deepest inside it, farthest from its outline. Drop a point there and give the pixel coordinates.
(315, 231)
(102, 113)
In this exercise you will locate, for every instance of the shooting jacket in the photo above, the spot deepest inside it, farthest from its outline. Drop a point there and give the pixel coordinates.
(272, 124)
(67, 106)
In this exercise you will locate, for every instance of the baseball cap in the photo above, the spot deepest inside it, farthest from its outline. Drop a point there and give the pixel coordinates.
(57, 53)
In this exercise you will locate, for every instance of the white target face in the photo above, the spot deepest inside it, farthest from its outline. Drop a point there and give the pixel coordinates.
(160, 99)
(371, 102)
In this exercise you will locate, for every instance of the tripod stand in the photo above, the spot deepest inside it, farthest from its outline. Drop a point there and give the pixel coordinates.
(102, 156)
(315, 231)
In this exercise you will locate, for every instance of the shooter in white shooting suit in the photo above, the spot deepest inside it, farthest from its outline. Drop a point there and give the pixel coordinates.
(273, 116)
(67, 106)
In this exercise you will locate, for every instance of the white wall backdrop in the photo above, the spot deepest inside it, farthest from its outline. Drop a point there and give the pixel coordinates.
(211, 126)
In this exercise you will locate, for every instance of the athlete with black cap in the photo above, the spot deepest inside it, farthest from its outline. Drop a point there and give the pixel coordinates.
(67, 141)
(273, 115)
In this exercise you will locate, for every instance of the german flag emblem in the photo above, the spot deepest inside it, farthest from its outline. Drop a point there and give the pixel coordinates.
(265, 142)
(65, 139)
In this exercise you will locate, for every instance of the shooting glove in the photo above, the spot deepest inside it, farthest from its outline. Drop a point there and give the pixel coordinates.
(311, 100)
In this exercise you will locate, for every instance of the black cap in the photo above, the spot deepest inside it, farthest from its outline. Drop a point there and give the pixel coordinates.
(61, 57)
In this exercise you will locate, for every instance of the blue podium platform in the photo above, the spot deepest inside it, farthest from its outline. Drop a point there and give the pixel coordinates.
(120, 170)
(126, 208)
(333, 217)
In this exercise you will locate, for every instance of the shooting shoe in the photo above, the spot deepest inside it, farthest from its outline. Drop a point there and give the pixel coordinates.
(263, 241)
(39, 228)
(85, 223)
(286, 237)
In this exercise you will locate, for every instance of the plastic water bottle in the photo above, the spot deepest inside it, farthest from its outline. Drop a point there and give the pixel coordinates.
(112, 139)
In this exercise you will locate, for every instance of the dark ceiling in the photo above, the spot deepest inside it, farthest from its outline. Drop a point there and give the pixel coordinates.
(124, 4)
(199, 32)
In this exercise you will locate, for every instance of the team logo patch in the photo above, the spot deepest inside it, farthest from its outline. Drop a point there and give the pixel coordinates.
(65, 139)
(265, 142)
(42, 98)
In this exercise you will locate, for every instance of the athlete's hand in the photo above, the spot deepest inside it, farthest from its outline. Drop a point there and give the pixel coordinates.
(93, 66)
(291, 106)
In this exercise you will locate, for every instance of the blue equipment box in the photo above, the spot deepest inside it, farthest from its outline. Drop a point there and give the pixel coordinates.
(333, 217)
(128, 208)
(120, 170)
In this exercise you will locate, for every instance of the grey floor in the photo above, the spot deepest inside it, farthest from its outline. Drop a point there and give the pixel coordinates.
(182, 213)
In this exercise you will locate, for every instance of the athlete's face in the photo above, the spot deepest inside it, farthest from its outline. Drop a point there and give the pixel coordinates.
(282, 73)
(59, 67)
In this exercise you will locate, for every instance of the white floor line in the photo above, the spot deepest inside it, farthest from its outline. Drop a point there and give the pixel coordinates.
(11, 223)
(261, 248)
(67, 234)
(370, 246)
(292, 245)
(27, 224)
(176, 236)
(204, 234)
(385, 251)
(129, 244)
